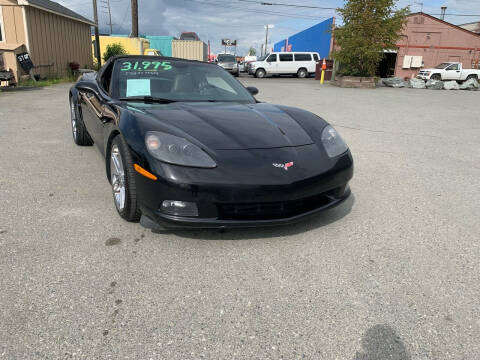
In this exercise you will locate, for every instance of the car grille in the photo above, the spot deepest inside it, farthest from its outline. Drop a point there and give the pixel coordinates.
(271, 210)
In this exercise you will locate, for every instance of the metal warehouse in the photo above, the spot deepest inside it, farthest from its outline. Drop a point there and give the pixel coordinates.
(51, 34)
(427, 41)
(317, 38)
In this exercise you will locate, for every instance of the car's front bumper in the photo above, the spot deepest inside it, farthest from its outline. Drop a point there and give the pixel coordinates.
(224, 205)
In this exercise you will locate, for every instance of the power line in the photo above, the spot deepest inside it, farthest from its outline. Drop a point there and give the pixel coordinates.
(222, 5)
(289, 5)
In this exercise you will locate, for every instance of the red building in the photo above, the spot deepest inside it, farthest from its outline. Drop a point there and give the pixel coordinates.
(427, 41)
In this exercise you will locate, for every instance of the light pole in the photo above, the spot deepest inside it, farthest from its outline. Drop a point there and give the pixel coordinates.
(268, 26)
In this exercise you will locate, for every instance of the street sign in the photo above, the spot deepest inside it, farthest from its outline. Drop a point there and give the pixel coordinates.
(25, 61)
(228, 42)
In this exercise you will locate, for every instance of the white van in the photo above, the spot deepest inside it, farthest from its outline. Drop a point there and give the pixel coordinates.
(301, 64)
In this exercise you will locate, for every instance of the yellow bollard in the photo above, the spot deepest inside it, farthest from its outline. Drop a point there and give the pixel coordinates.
(324, 67)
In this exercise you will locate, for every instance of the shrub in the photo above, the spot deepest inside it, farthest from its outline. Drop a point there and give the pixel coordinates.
(113, 50)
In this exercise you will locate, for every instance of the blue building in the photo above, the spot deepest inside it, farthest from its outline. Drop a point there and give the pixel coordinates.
(161, 43)
(316, 38)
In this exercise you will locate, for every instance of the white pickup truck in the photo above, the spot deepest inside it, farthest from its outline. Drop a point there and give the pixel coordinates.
(448, 71)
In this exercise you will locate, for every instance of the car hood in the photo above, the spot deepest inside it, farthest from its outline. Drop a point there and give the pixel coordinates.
(232, 126)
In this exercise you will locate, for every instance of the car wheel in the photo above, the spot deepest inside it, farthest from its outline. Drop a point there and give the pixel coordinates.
(436, 77)
(302, 73)
(236, 74)
(79, 131)
(472, 77)
(122, 179)
(260, 73)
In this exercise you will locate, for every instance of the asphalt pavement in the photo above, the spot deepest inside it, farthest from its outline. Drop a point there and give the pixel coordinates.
(393, 273)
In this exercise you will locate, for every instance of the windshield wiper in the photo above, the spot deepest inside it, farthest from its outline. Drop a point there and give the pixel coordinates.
(148, 99)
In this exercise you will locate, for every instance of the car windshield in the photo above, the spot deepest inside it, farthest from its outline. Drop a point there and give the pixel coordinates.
(442, 65)
(175, 80)
(226, 58)
(261, 58)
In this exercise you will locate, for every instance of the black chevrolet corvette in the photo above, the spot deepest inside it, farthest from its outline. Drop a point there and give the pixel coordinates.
(186, 145)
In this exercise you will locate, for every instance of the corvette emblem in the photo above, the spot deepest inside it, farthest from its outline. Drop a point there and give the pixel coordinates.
(285, 166)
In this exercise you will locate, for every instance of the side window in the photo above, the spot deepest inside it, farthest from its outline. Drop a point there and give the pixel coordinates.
(303, 57)
(106, 78)
(286, 57)
(272, 58)
(315, 57)
(453, 67)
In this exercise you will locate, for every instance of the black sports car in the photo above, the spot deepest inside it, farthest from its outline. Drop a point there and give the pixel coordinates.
(186, 145)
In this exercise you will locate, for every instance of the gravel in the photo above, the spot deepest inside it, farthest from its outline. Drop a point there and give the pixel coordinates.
(391, 274)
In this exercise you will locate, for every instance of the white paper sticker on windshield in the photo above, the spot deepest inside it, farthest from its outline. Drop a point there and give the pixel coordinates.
(138, 87)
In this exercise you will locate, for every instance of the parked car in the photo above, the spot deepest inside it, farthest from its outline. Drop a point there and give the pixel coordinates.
(186, 145)
(241, 66)
(449, 71)
(152, 52)
(301, 64)
(229, 63)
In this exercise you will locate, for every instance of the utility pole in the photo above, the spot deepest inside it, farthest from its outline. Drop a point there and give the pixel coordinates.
(266, 39)
(268, 26)
(134, 18)
(109, 14)
(97, 38)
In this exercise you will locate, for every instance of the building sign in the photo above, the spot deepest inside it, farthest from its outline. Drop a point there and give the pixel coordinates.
(228, 42)
(289, 47)
(25, 61)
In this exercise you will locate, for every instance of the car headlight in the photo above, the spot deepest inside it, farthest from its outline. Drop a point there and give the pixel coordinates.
(332, 141)
(175, 150)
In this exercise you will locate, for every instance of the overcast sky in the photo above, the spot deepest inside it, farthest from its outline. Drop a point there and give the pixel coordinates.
(239, 19)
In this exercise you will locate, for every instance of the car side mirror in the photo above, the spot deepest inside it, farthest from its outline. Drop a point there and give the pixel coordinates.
(87, 86)
(252, 90)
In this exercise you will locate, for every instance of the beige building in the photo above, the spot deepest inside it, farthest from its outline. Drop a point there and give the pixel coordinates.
(53, 35)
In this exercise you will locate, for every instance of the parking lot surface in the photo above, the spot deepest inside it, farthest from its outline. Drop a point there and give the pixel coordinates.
(393, 273)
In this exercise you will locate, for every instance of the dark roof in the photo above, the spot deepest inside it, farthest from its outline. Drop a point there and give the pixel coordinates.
(59, 9)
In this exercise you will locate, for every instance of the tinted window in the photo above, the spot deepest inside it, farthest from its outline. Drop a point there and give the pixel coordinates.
(303, 57)
(175, 80)
(272, 58)
(225, 58)
(315, 57)
(286, 57)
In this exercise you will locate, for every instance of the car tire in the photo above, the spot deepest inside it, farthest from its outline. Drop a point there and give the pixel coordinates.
(122, 179)
(237, 74)
(436, 77)
(80, 134)
(472, 77)
(302, 73)
(260, 73)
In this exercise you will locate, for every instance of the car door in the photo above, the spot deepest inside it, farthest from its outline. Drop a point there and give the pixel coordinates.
(304, 60)
(271, 64)
(452, 72)
(286, 64)
(94, 107)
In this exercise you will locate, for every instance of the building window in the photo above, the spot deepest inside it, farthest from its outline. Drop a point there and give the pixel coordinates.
(2, 30)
